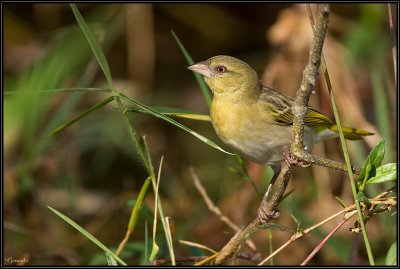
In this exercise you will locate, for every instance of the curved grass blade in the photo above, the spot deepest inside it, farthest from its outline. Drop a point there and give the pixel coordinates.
(110, 260)
(88, 235)
(146, 244)
(93, 108)
(138, 205)
(175, 112)
(177, 124)
(200, 81)
(70, 90)
(98, 52)
(344, 147)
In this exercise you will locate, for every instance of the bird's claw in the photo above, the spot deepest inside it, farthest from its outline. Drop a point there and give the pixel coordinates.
(292, 160)
(265, 216)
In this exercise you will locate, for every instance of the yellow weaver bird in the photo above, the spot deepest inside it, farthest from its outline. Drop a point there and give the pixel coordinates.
(255, 120)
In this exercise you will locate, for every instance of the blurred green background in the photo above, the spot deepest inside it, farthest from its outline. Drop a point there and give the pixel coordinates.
(91, 171)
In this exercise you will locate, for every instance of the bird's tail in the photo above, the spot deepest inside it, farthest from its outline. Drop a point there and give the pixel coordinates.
(351, 133)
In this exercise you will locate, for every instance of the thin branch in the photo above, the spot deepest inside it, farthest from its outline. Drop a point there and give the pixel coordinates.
(323, 242)
(197, 245)
(300, 104)
(213, 208)
(210, 204)
(310, 73)
(350, 168)
(393, 39)
(306, 231)
(122, 245)
(348, 211)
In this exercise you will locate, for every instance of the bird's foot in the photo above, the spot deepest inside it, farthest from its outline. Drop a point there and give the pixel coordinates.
(265, 215)
(292, 160)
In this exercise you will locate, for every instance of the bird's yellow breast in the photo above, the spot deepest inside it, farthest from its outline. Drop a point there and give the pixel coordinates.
(247, 128)
(230, 119)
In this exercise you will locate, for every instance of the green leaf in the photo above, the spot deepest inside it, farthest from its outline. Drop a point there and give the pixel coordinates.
(200, 80)
(87, 234)
(391, 257)
(341, 201)
(154, 250)
(146, 244)
(365, 172)
(299, 229)
(93, 108)
(98, 52)
(175, 112)
(70, 90)
(374, 159)
(384, 173)
(362, 198)
(138, 205)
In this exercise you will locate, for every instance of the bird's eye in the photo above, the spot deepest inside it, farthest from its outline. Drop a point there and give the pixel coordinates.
(221, 69)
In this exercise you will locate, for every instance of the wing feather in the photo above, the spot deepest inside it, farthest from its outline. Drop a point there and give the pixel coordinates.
(280, 107)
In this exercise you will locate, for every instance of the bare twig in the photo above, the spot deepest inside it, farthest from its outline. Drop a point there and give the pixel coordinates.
(300, 104)
(322, 243)
(393, 39)
(306, 231)
(213, 208)
(210, 204)
(197, 245)
(348, 211)
(121, 245)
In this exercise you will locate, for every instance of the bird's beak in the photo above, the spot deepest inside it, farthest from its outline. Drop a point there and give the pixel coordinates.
(201, 68)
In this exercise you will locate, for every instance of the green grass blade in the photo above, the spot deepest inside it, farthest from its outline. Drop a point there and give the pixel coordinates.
(68, 90)
(393, 40)
(98, 52)
(344, 148)
(177, 124)
(200, 80)
(246, 175)
(93, 108)
(138, 205)
(191, 116)
(175, 112)
(169, 239)
(110, 260)
(87, 234)
(350, 172)
(146, 244)
(157, 205)
(154, 250)
(382, 111)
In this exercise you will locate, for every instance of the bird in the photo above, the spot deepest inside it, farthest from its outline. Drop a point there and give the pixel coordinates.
(256, 120)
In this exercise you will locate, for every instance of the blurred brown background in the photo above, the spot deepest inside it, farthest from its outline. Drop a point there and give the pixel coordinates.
(91, 171)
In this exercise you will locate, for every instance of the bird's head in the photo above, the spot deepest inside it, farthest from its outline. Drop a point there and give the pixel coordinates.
(227, 75)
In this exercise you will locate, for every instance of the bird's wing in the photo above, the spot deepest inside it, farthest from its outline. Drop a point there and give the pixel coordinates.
(280, 107)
